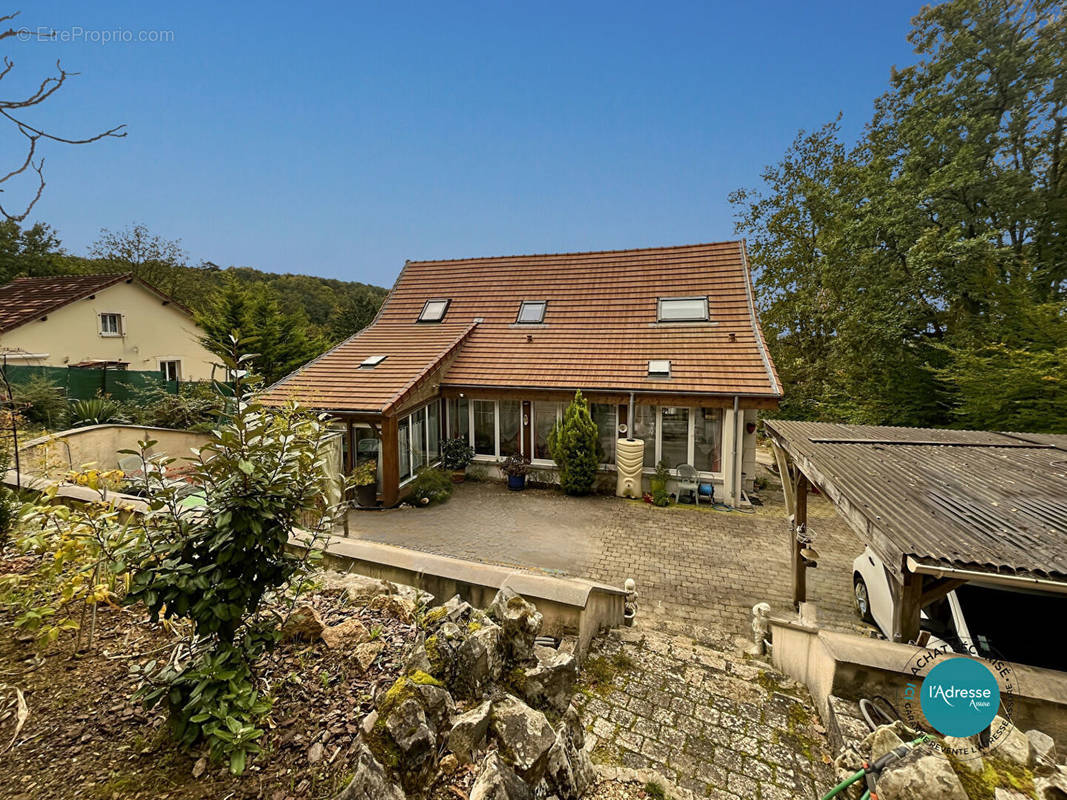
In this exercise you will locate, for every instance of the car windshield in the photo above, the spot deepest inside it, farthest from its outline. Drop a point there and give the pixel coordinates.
(1015, 626)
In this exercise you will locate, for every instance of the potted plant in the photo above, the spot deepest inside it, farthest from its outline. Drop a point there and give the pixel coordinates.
(456, 454)
(365, 479)
(515, 467)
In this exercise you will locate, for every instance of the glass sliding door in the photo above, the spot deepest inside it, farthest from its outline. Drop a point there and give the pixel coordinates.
(644, 428)
(404, 446)
(674, 436)
(605, 418)
(545, 416)
(510, 412)
(418, 440)
(707, 439)
(484, 427)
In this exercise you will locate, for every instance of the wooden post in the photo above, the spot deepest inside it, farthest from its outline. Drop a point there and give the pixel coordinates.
(782, 460)
(906, 610)
(390, 462)
(799, 527)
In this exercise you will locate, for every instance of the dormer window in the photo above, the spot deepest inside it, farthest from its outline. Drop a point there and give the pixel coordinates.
(372, 362)
(434, 310)
(531, 312)
(683, 309)
(659, 368)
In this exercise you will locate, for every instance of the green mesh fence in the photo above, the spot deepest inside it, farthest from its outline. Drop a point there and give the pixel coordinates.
(81, 384)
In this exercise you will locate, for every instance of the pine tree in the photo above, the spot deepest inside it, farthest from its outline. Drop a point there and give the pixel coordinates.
(573, 444)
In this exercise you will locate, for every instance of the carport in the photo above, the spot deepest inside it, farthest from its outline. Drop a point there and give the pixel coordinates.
(939, 507)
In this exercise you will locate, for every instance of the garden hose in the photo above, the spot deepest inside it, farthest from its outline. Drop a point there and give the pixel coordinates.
(872, 771)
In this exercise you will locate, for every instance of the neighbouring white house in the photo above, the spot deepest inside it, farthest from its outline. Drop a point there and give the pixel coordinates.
(110, 321)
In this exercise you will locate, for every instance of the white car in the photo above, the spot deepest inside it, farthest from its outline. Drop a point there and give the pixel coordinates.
(987, 620)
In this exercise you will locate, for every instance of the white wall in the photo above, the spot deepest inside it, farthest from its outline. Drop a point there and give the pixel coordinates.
(153, 332)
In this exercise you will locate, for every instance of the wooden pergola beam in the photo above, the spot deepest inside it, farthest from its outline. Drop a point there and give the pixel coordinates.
(798, 530)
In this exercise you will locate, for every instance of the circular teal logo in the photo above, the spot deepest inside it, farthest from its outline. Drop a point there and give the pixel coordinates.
(960, 697)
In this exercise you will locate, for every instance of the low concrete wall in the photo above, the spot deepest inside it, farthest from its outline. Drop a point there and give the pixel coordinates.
(99, 445)
(569, 606)
(854, 667)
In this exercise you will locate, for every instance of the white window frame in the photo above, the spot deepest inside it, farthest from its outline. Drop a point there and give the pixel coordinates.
(659, 309)
(178, 371)
(120, 323)
(411, 444)
(691, 441)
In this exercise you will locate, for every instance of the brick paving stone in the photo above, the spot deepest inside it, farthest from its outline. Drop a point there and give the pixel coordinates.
(722, 746)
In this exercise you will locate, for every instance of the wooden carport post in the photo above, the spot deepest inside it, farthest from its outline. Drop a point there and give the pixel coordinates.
(907, 592)
(799, 530)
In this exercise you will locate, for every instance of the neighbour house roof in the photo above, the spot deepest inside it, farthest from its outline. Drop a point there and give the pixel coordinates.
(599, 330)
(26, 299)
(974, 500)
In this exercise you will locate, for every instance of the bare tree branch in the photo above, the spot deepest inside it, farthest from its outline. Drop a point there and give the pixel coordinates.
(48, 86)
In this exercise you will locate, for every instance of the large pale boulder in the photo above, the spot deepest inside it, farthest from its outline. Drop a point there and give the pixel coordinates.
(1044, 746)
(524, 737)
(478, 664)
(345, 635)
(498, 781)
(521, 622)
(921, 774)
(303, 623)
(415, 742)
(468, 732)
(550, 684)
(1010, 743)
(881, 741)
(369, 779)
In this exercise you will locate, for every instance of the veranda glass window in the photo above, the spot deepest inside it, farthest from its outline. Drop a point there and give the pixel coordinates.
(459, 422)
(484, 427)
(418, 440)
(545, 416)
(404, 445)
(510, 427)
(604, 417)
(674, 437)
(644, 428)
(707, 440)
(433, 430)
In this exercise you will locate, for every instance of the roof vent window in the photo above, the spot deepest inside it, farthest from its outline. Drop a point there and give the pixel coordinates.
(531, 312)
(372, 362)
(434, 310)
(659, 368)
(683, 309)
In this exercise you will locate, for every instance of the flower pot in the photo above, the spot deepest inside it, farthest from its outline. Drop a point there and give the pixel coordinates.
(516, 482)
(628, 616)
(459, 475)
(367, 496)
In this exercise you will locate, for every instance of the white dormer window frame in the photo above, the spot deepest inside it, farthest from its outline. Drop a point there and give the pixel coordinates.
(111, 323)
(531, 312)
(434, 309)
(659, 368)
(372, 361)
(682, 309)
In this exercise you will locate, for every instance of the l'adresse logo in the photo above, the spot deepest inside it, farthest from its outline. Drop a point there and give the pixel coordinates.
(960, 696)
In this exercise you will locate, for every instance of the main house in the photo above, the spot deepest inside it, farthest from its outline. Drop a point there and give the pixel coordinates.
(664, 342)
(111, 321)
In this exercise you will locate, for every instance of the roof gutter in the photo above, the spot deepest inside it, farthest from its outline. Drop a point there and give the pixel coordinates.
(1014, 581)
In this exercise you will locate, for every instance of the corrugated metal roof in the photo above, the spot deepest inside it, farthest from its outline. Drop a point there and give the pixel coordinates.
(995, 502)
(600, 326)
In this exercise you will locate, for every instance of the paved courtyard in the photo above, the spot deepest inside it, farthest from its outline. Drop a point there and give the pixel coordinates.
(692, 566)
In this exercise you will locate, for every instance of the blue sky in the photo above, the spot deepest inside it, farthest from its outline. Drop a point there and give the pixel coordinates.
(339, 139)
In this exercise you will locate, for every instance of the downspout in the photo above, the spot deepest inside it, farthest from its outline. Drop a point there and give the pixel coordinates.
(630, 418)
(735, 495)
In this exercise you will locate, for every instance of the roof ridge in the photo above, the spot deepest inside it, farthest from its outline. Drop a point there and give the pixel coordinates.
(107, 275)
(573, 253)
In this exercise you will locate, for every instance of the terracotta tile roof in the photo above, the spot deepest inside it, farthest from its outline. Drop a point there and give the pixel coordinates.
(26, 299)
(600, 327)
(335, 380)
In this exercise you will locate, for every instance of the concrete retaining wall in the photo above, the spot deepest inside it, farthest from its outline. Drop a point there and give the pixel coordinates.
(854, 667)
(71, 449)
(569, 606)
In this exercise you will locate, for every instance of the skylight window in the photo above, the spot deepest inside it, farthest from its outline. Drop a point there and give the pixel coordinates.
(683, 309)
(434, 310)
(531, 312)
(372, 362)
(659, 368)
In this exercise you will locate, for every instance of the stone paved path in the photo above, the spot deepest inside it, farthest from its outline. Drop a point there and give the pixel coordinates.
(720, 726)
